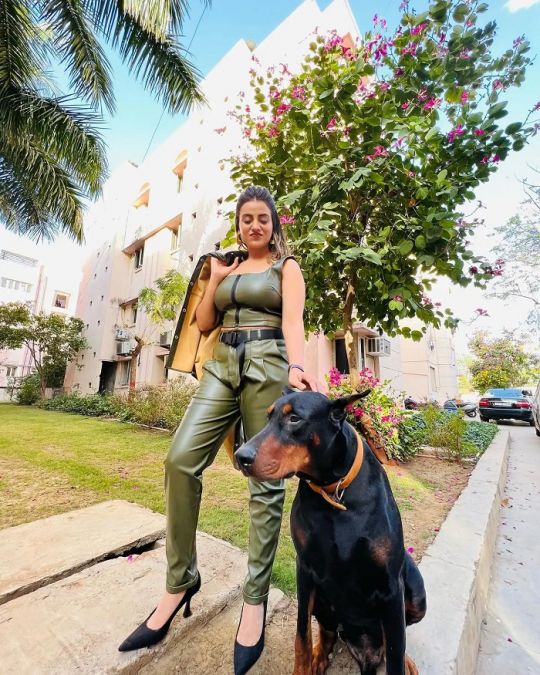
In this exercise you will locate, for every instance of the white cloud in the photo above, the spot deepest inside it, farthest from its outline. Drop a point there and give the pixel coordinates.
(516, 5)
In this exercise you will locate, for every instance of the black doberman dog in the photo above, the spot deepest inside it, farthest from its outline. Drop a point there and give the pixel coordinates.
(353, 573)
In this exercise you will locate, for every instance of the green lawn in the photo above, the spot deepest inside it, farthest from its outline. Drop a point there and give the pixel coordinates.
(52, 462)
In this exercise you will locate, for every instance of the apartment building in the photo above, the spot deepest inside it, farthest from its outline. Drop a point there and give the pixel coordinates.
(25, 278)
(168, 211)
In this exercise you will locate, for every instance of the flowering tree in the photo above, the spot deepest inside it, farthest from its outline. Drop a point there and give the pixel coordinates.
(373, 151)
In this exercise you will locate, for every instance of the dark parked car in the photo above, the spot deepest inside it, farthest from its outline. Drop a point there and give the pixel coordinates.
(506, 404)
(536, 410)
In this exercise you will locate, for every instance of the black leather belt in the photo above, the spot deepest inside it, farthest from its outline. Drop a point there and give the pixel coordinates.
(237, 338)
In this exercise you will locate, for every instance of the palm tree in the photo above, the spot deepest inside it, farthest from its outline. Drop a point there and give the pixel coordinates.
(51, 153)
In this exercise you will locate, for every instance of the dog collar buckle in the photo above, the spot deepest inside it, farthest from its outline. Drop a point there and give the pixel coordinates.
(339, 491)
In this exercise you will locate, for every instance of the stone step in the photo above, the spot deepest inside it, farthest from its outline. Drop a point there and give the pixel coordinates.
(39, 553)
(210, 648)
(76, 624)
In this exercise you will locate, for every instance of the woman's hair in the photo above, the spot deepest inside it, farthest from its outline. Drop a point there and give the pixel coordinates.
(258, 193)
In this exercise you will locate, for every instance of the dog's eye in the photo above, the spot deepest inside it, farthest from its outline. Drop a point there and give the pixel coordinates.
(294, 419)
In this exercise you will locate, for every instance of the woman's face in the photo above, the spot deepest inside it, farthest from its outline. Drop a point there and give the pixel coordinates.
(255, 225)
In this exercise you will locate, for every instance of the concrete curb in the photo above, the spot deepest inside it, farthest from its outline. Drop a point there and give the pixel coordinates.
(456, 571)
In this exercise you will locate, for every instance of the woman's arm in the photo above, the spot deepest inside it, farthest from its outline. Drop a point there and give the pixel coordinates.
(206, 313)
(293, 291)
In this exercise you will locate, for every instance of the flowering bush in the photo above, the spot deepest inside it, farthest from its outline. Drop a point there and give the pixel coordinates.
(374, 150)
(380, 405)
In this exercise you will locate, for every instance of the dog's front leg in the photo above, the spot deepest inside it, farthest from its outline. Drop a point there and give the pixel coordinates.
(303, 645)
(394, 634)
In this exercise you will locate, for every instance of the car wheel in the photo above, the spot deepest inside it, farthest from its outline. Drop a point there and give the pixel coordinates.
(531, 423)
(537, 431)
(483, 419)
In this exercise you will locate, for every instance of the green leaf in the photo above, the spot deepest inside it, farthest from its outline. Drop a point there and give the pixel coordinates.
(420, 241)
(513, 128)
(460, 12)
(494, 110)
(441, 176)
(405, 247)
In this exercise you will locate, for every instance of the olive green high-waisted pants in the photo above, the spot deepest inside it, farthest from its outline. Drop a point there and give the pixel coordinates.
(225, 394)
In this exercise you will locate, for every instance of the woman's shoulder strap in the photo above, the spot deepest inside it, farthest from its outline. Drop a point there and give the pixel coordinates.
(278, 265)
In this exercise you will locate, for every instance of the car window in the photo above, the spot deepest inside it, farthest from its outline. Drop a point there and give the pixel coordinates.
(505, 393)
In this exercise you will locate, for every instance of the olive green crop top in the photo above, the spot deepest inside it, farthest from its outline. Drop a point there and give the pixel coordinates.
(251, 298)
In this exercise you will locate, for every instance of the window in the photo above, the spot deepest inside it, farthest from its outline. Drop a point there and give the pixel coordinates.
(139, 256)
(60, 300)
(134, 310)
(17, 258)
(179, 182)
(174, 240)
(341, 360)
(433, 377)
(125, 370)
(15, 285)
(11, 371)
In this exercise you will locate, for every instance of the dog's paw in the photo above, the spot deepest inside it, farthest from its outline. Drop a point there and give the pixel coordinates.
(410, 666)
(319, 661)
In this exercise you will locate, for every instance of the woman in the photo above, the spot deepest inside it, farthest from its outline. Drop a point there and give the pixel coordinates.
(260, 301)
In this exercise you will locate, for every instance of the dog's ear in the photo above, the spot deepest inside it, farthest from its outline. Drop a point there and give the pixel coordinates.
(287, 390)
(337, 407)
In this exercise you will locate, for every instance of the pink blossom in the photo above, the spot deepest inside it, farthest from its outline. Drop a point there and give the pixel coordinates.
(409, 49)
(481, 312)
(404, 5)
(405, 105)
(221, 130)
(416, 30)
(497, 84)
(536, 106)
(247, 132)
(253, 72)
(456, 131)
(398, 298)
(411, 174)
(465, 54)
(495, 159)
(286, 220)
(273, 131)
(473, 269)
(248, 109)
(384, 86)
(332, 124)
(442, 37)
(485, 159)
(465, 96)
(254, 58)
(358, 412)
(241, 94)
(333, 41)
(469, 23)
(282, 108)
(379, 151)
(398, 72)
(299, 93)
(275, 93)
(335, 376)
(422, 95)
(410, 550)
(518, 41)
(479, 132)
(431, 103)
(284, 69)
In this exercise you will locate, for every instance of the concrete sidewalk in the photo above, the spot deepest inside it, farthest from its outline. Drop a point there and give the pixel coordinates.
(510, 641)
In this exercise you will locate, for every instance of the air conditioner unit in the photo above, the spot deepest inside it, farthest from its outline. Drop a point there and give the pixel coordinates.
(123, 348)
(122, 334)
(165, 339)
(378, 346)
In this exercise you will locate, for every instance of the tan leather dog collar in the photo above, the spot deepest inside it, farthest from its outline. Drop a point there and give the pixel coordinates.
(334, 493)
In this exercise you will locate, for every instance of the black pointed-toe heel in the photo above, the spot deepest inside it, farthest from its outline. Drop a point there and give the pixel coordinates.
(146, 637)
(246, 657)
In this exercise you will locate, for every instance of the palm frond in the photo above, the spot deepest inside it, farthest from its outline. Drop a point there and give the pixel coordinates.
(69, 132)
(79, 50)
(22, 54)
(45, 184)
(161, 66)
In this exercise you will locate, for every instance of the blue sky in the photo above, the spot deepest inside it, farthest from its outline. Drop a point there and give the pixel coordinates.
(228, 21)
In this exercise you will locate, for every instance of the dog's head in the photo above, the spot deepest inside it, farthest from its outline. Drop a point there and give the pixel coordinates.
(303, 436)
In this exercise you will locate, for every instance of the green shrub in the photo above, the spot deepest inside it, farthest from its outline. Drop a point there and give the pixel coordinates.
(157, 406)
(29, 391)
(93, 405)
(412, 433)
(480, 434)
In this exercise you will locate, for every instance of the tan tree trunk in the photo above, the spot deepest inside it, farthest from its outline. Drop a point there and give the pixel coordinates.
(350, 342)
(134, 359)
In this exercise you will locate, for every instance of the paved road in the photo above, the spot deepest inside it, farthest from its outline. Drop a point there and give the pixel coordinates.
(510, 641)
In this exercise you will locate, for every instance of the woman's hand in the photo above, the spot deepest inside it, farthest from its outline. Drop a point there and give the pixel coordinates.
(301, 381)
(219, 270)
